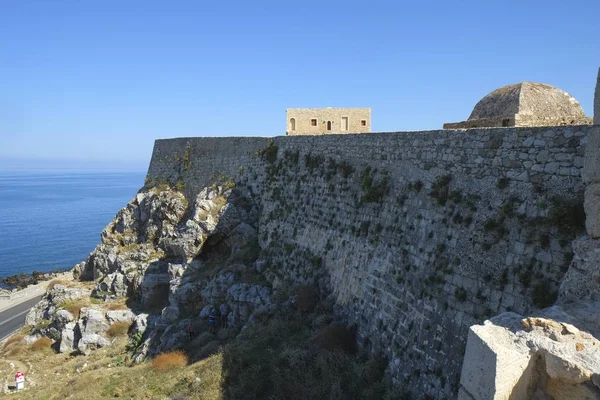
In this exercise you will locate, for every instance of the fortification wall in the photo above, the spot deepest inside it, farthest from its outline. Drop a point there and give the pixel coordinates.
(417, 235)
(597, 101)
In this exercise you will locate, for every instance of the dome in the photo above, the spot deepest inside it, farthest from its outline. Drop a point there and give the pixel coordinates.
(525, 104)
(527, 98)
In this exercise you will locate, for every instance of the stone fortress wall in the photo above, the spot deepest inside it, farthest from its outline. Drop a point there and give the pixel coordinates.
(328, 120)
(418, 235)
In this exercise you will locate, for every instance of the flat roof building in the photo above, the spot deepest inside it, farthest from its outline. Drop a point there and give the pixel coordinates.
(324, 121)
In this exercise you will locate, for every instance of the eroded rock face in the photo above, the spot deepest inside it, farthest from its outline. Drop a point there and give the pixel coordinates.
(53, 298)
(542, 357)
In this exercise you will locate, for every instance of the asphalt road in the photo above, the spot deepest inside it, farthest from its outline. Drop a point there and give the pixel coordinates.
(14, 317)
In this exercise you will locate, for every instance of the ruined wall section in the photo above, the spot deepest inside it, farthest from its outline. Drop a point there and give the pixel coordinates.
(417, 235)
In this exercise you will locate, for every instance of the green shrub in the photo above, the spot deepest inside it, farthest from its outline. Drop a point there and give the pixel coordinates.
(543, 294)
(337, 337)
(307, 298)
(461, 294)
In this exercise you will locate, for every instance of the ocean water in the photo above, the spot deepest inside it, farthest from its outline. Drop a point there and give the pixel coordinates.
(53, 219)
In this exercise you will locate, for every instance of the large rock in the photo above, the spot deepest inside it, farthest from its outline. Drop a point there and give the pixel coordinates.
(92, 322)
(56, 296)
(510, 357)
(120, 316)
(70, 336)
(92, 341)
(494, 362)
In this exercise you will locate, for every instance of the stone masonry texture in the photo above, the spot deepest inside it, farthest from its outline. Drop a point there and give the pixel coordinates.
(416, 235)
(597, 101)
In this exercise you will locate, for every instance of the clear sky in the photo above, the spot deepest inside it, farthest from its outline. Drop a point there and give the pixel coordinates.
(100, 80)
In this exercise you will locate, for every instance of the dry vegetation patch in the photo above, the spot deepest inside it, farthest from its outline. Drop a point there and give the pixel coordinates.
(170, 360)
(14, 346)
(119, 328)
(41, 344)
(75, 306)
(63, 282)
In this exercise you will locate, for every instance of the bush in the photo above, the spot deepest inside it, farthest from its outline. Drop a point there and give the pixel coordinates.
(461, 294)
(337, 337)
(269, 153)
(74, 306)
(306, 298)
(543, 295)
(42, 343)
(118, 328)
(14, 339)
(170, 360)
(502, 183)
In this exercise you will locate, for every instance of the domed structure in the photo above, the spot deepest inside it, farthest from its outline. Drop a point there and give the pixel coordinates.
(525, 104)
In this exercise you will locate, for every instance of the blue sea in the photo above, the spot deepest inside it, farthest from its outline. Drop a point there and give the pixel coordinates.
(53, 219)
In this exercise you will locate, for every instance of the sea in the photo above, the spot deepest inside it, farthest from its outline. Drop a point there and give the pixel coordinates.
(51, 220)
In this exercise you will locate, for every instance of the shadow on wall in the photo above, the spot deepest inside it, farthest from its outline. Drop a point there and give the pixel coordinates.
(285, 350)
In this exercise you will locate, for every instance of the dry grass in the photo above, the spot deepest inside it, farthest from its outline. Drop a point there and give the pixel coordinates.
(14, 346)
(14, 339)
(170, 360)
(41, 344)
(63, 282)
(116, 306)
(75, 306)
(119, 328)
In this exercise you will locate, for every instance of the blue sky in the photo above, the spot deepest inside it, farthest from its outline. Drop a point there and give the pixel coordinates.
(98, 81)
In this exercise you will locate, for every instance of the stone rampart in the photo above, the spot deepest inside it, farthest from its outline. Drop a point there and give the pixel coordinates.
(416, 235)
(597, 101)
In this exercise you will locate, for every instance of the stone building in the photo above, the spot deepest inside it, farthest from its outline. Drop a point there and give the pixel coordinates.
(321, 121)
(524, 104)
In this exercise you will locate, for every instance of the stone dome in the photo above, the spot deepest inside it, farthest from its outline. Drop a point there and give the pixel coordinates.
(527, 98)
(525, 104)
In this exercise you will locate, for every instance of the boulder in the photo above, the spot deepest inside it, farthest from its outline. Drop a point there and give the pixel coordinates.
(120, 316)
(91, 341)
(70, 336)
(141, 323)
(92, 322)
(62, 318)
(170, 314)
(205, 311)
(537, 357)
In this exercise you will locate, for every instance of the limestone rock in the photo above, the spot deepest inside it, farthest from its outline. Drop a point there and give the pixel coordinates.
(120, 316)
(142, 322)
(537, 357)
(91, 341)
(205, 311)
(51, 300)
(170, 314)
(92, 322)
(494, 361)
(70, 336)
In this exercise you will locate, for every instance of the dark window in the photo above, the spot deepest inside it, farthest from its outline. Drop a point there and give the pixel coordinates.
(363, 122)
(328, 125)
(313, 122)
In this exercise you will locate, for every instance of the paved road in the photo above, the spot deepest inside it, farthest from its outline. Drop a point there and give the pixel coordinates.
(14, 317)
